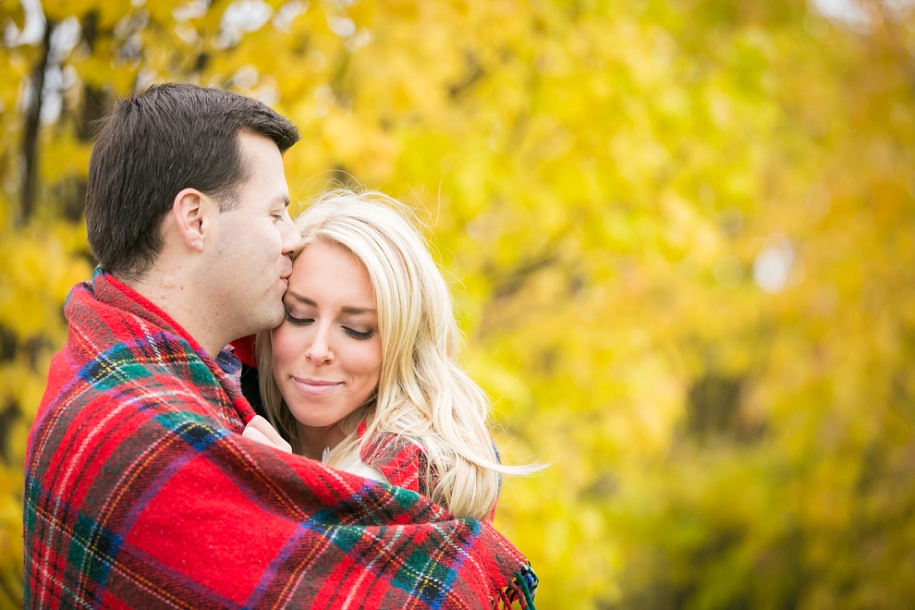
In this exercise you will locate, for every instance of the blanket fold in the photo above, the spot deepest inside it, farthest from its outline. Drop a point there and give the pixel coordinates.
(140, 492)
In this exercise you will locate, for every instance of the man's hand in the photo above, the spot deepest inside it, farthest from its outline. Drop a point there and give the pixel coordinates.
(260, 430)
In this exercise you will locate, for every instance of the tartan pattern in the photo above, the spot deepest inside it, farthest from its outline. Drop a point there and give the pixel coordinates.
(140, 492)
(401, 460)
(404, 463)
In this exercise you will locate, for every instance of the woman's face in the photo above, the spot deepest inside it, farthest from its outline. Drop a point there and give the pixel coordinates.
(327, 352)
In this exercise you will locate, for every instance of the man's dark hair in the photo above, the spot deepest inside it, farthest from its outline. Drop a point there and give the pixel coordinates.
(155, 143)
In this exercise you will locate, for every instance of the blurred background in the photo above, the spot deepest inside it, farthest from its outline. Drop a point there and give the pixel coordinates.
(680, 236)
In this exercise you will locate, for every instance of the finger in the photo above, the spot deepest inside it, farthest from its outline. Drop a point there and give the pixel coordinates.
(256, 435)
(264, 427)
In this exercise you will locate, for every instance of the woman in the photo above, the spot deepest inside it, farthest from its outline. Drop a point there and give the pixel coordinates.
(362, 372)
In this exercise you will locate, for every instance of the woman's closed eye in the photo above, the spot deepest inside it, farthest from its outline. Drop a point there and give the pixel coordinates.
(355, 334)
(298, 321)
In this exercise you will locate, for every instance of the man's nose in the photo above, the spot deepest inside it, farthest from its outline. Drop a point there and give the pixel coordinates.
(289, 234)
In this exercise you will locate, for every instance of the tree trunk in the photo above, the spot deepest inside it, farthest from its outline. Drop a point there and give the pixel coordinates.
(30, 148)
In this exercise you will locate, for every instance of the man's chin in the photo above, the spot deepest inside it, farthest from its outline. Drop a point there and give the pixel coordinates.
(278, 318)
(267, 321)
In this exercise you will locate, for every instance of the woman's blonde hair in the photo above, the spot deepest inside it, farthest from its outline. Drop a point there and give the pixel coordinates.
(423, 395)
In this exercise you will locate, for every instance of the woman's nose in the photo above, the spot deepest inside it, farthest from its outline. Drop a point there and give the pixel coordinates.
(319, 351)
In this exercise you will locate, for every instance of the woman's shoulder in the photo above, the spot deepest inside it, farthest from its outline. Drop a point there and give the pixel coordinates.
(402, 460)
(351, 463)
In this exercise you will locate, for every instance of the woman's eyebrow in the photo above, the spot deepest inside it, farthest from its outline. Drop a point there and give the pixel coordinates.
(357, 310)
(302, 299)
(348, 310)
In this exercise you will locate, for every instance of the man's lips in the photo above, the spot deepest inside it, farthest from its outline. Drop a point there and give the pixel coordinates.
(314, 386)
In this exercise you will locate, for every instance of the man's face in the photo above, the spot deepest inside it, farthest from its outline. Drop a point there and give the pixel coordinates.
(251, 264)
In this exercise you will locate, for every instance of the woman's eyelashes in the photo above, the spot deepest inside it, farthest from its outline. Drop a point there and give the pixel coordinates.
(355, 334)
(352, 332)
(298, 321)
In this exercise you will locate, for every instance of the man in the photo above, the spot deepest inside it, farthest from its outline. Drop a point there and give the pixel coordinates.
(143, 487)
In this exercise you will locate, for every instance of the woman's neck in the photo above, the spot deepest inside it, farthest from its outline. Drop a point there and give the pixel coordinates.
(313, 440)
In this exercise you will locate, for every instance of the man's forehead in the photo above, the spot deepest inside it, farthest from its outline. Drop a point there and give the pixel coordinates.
(264, 171)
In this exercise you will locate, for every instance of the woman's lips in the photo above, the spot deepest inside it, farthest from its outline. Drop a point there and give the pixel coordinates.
(315, 386)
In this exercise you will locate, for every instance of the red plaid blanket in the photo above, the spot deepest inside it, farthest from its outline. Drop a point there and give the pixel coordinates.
(403, 463)
(140, 492)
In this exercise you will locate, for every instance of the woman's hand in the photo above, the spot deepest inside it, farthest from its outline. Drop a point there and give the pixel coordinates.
(260, 430)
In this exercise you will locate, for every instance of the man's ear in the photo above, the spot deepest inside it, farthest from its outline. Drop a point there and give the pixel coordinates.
(193, 215)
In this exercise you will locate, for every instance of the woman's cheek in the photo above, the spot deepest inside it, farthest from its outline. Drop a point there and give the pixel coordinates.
(283, 346)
